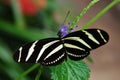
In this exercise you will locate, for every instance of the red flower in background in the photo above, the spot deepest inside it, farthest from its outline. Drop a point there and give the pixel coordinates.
(30, 7)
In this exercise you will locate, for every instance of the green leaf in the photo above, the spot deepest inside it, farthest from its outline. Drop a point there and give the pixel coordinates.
(70, 70)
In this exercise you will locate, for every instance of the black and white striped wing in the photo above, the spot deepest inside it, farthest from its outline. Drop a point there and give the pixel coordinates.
(47, 52)
(79, 43)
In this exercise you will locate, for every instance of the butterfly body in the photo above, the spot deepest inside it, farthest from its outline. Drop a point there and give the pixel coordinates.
(52, 51)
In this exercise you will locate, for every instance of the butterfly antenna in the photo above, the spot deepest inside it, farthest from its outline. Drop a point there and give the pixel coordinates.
(59, 32)
(66, 16)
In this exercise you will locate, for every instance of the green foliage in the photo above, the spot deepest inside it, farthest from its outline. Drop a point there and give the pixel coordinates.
(18, 16)
(7, 65)
(24, 34)
(39, 73)
(70, 70)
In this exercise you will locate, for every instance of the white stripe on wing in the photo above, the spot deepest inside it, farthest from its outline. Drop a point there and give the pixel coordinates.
(44, 48)
(54, 51)
(73, 46)
(101, 35)
(79, 40)
(90, 36)
(20, 51)
(31, 50)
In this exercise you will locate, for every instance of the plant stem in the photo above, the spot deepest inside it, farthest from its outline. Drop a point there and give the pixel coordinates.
(28, 71)
(20, 24)
(75, 21)
(39, 73)
(100, 14)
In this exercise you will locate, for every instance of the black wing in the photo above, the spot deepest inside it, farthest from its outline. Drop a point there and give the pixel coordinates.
(79, 43)
(47, 52)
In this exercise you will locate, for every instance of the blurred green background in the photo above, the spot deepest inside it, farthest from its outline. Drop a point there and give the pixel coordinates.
(37, 19)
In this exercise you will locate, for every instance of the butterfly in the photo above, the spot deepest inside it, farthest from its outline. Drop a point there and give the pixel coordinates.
(53, 51)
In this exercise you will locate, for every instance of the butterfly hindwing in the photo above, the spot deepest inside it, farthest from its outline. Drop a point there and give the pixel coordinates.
(47, 52)
(79, 43)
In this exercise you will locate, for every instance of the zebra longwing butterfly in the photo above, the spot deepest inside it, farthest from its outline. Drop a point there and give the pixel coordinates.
(52, 51)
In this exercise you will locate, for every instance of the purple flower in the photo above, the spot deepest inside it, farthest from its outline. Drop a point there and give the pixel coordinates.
(64, 30)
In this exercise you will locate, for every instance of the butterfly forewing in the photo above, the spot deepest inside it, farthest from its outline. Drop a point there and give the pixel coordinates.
(44, 51)
(79, 43)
